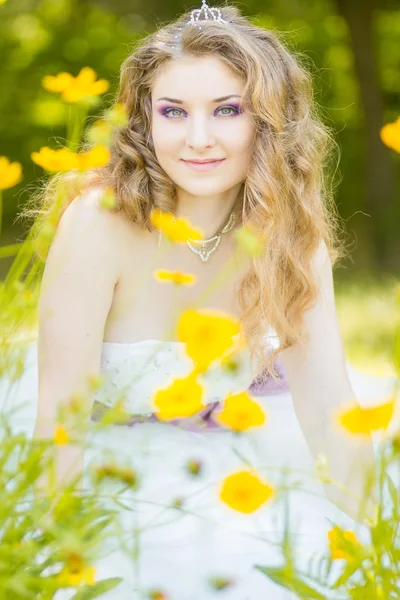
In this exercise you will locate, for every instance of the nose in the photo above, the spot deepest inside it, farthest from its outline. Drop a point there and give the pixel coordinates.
(200, 134)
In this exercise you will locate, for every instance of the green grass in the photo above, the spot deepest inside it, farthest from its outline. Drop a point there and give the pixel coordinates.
(368, 311)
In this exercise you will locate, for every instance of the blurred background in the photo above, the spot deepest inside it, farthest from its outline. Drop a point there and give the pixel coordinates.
(351, 47)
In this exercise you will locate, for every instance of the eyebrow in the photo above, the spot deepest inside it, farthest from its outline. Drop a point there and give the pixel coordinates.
(175, 101)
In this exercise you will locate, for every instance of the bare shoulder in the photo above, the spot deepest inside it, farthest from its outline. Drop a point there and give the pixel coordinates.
(87, 221)
(87, 209)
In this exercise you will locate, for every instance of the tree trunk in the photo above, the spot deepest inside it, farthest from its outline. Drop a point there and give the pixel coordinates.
(381, 186)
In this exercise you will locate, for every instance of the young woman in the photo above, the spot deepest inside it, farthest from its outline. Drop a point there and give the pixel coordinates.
(222, 131)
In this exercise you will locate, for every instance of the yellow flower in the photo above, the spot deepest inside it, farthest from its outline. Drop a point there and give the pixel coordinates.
(55, 160)
(183, 398)
(58, 83)
(245, 491)
(390, 135)
(337, 543)
(60, 435)
(358, 420)
(97, 157)
(73, 89)
(240, 412)
(65, 159)
(208, 334)
(177, 230)
(10, 173)
(175, 276)
(76, 571)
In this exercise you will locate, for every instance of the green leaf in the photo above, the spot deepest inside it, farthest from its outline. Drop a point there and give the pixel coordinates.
(287, 579)
(347, 572)
(94, 529)
(396, 350)
(394, 496)
(88, 592)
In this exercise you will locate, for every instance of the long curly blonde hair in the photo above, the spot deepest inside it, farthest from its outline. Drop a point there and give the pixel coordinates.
(288, 191)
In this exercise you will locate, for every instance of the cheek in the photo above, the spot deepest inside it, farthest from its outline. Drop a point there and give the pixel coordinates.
(241, 137)
(163, 136)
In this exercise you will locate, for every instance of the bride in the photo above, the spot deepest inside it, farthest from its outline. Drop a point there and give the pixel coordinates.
(222, 132)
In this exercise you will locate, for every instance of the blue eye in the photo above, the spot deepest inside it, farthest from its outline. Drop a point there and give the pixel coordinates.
(234, 109)
(168, 111)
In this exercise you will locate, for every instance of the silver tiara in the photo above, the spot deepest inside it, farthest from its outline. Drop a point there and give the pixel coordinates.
(205, 13)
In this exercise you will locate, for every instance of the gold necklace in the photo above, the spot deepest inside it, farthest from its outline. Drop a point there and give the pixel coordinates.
(204, 248)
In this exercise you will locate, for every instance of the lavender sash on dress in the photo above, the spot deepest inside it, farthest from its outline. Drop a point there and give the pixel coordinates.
(203, 420)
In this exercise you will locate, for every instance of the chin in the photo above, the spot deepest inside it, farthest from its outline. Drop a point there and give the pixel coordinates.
(204, 190)
(209, 183)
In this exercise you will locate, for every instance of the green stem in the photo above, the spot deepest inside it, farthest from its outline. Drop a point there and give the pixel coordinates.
(1, 209)
(22, 259)
(76, 120)
(10, 250)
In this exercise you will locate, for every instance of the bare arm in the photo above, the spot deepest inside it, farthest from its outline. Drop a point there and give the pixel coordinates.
(76, 294)
(320, 385)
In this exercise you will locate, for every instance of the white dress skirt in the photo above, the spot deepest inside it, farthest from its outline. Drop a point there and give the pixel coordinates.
(179, 537)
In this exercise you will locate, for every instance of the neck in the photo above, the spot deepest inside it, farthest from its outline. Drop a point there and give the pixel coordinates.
(209, 213)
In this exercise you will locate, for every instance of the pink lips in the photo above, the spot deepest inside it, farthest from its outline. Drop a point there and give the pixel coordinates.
(203, 166)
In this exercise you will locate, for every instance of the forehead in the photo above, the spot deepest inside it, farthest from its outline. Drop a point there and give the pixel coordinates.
(199, 77)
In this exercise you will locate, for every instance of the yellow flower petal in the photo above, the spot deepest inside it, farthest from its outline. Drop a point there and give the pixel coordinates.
(337, 543)
(99, 87)
(175, 277)
(56, 160)
(240, 412)
(245, 491)
(60, 436)
(65, 160)
(73, 94)
(208, 334)
(58, 83)
(97, 157)
(390, 135)
(86, 76)
(358, 420)
(177, 230)
(76, 571)
(182, 398)
(73, 89)
(10, 173)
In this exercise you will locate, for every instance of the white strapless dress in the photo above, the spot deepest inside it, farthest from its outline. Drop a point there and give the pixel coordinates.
(179, 551)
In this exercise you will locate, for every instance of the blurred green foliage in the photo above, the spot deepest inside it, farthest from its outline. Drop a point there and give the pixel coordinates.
(39, 37)
(368, 311)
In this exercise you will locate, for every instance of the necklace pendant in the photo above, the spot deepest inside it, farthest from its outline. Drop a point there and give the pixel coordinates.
(201, 250)
(204, 248)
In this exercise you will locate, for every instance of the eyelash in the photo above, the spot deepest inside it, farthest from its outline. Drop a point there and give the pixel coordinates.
(166, 111)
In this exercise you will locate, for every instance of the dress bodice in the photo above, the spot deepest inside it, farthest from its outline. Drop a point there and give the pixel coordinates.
(135, 370)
